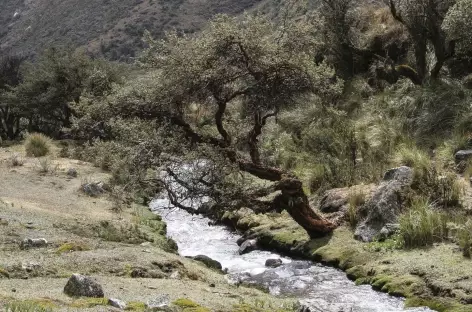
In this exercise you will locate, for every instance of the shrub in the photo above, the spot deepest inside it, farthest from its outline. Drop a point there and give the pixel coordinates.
(37, 145)
(45, 166)
(423, 225)
(16, 160)
(463, 235)
(355, 200)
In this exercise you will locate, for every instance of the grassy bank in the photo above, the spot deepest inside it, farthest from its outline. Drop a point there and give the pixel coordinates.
(126, 251)
(437, 277)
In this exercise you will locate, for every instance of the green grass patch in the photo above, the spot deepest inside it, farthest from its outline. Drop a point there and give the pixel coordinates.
(71, 247)
(89, 302)
(31, 305)
(187, 305)
(136, 306)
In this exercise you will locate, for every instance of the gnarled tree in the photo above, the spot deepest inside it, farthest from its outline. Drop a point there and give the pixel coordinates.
(243, 72)
(423, 20)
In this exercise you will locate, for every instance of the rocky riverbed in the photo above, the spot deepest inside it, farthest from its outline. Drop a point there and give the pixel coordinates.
(316, 287)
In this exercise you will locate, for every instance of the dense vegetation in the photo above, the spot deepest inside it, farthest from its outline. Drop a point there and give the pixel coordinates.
(302, 103)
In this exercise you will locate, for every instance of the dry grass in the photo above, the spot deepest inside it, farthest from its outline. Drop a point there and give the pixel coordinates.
(37, 145)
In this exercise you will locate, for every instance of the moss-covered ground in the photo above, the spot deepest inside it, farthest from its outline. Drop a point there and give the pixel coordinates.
(438, 277)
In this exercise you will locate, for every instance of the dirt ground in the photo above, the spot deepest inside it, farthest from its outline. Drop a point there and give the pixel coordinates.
(124, 252)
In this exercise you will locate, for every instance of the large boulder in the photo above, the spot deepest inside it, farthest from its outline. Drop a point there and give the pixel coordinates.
(385, 205)
(209, 262)
(248, 246)
(83, 286)
(337, 200)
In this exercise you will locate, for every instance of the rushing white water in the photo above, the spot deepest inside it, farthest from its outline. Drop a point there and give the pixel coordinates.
(322, 288)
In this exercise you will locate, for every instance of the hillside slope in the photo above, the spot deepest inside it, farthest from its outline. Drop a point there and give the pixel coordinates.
(113, 28)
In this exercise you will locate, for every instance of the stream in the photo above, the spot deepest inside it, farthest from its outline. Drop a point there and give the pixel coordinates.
(321, 288)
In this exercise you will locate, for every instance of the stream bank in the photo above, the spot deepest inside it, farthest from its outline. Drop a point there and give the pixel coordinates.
(437, 277)
(316, 286)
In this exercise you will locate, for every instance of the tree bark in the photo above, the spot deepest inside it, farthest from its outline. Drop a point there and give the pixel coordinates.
(294, 200)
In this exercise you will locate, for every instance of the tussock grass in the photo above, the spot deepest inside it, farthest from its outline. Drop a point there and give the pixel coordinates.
(355, 200)
(37, 145)
(45, 165)
(464, 237)
(423, 225)
(410, 155)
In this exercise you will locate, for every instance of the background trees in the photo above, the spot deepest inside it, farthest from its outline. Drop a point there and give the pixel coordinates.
(10, 77)
(37, 95)
(423, 20)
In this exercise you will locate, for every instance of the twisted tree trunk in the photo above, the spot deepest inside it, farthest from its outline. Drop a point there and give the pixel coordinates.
(294, 200)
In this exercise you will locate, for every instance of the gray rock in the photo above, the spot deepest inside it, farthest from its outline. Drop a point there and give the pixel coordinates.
(175, 275)
(209, 262)
(388, 230)
(242, 239)
(308, 306)
(273, 263)
(93, 189)
(462, 156)
(72, 173)
(385, 205)
(33, 243)
(161, 302)
(248, 246)
(83, 286)
(334, 200)
(117, 303)
(30, 266)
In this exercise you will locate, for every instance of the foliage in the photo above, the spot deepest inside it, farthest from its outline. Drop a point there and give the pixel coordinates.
(425, 113)
(423, 20)
(37, 145)
(10, 77)
(458, 22)
(39, 100)
(423, 225)
(464, 237)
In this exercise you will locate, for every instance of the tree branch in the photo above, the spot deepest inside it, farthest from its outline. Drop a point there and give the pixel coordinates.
(219, 122)
(256, 131)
